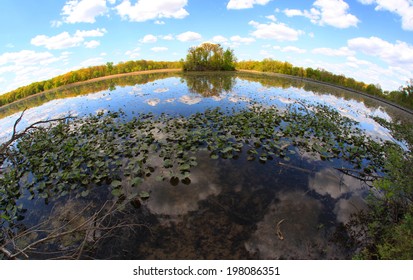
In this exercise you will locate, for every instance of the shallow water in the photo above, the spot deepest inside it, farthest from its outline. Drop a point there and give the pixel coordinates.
(234, 208)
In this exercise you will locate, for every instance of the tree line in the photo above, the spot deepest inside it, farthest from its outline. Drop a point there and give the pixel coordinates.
(85, 74)
(403, 96)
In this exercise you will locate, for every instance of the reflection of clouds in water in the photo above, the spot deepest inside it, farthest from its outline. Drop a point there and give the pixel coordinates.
(161, 90)
(333, 182)
(96, 96)
(345, 207)
(219, 97)
(101, 111)
(238, 98)
(153, 101)
(190, 100)
(284, 100)
(51, 110)
(170, 100)
(302, 239)
(180, 199)
(174, 201)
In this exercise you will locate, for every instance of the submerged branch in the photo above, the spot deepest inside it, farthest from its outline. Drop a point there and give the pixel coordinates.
(100, 221)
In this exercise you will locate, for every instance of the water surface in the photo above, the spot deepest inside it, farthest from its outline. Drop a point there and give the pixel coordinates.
(232, 208)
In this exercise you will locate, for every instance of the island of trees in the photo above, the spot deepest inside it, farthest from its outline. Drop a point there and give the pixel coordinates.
(209, 57)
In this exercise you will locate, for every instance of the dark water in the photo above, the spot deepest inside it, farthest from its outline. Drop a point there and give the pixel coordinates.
(232, 209)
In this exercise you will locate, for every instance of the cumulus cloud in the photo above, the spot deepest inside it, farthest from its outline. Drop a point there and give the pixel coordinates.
(276, 31)
(398, 54)
(189, 36)
(245, 4)
(92, 62)
(168, 37)
(290, 49)
(28, 66)
(61, 41)
(27, 58)
(159, 49)
(242, 40)
(327, 12)
(77, 11)
(219, 39)
(92, 44)
(145, 10)
(402, 8)
(149, 39)
(65, 40)
(343, 51)
(133, 53)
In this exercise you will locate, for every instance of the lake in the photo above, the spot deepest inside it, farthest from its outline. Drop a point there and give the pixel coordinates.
(248, 187)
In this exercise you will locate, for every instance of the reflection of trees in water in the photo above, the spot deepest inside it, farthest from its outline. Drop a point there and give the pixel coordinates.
(82, 89)
(211, 84)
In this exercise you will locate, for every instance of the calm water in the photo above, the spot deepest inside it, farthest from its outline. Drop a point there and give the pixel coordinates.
(232, 209)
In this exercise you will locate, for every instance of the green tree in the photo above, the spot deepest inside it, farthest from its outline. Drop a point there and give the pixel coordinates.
(209, 57)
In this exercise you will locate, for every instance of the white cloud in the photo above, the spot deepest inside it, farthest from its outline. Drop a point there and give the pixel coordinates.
(403, 8)
(245, 4)
(327, 12)
(60, 41)
(92, 44)
(219, 39)
(27, 57)
(99, 32)
(92, 62)
(27, 66)
(293, 12)
(145, 10)
(189, 36)
(389, 77)
(159, 49)
(271, 17)
(149, 39)
(159, 22)
(65, 40)
(344, 51)
(399, 54)
(276, 31)
(242, 40)
(56, 23)
(290, 49)
(133, 53)
(77, 11)
(168, 37)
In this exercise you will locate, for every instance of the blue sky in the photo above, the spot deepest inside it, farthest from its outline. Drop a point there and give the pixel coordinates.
(369, 40)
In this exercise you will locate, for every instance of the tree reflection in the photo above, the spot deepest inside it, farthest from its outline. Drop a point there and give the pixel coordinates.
(209, 84)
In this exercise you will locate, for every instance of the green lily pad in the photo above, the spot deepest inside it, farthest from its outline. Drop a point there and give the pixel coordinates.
(144, 195)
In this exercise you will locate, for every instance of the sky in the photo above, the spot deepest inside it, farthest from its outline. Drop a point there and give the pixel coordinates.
(369, 40)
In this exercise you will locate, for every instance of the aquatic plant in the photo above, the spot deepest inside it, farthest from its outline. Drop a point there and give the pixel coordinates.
(107, 151)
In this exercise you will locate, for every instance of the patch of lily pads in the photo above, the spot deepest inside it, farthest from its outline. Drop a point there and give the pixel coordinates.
(107, 151)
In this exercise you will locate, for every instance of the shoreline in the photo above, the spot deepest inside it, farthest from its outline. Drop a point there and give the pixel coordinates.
(97, 80)
(387, 102)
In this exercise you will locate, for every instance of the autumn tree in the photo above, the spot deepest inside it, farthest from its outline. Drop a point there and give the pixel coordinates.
(208, 56)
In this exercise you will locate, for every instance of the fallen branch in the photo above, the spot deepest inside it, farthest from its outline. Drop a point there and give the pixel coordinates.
(99, 221)
(4, 152)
